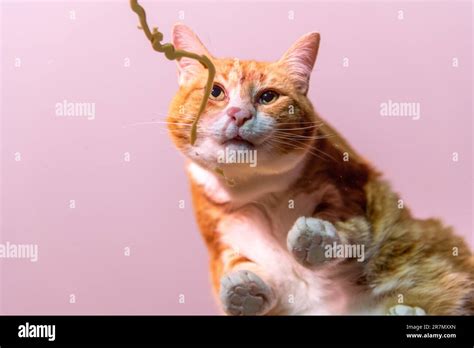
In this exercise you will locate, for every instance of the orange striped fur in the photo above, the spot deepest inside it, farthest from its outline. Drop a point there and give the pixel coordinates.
(411, 262)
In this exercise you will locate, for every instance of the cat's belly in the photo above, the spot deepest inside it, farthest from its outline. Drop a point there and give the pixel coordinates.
(299, 290)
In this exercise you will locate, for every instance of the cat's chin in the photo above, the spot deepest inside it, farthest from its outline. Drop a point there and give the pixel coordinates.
(263, 165)
(238, 144)
(239, 158)
(237, 152)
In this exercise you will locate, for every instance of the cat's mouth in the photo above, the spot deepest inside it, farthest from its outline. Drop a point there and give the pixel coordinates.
(238, 140)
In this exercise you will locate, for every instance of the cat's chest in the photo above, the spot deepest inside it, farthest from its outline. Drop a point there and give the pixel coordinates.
(268, 218)
(259, 231)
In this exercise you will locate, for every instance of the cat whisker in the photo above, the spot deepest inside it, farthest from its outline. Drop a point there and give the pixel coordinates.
(140, 124)
(293, 145)
(291, 134)
(318, 150)
(291, 138)
(198, 131)
(302, 122)
(304, 146)
(156, 122)
(302, 137)
(178, 123)
(298, 128)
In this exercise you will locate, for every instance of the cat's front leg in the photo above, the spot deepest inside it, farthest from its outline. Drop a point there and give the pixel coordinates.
(316, 242)
(246, 290)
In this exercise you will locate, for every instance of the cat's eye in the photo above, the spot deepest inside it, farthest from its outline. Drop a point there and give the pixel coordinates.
(217, 93)
(268, 97)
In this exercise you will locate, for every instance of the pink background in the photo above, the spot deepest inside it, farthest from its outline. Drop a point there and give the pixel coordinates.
(135, 204)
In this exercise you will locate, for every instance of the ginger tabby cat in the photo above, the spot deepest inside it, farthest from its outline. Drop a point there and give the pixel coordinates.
(310, 228)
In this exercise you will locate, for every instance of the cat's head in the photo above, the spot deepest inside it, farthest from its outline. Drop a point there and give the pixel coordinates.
(257, 109)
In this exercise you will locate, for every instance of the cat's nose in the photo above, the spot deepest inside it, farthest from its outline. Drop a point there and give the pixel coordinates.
(239, 115)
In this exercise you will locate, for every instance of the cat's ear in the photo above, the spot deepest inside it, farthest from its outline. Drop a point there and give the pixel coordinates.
(300, 58)
(185, 39)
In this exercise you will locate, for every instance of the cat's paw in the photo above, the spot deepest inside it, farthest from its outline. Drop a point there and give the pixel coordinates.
(405, 310)
(244, 293)
(307, 240)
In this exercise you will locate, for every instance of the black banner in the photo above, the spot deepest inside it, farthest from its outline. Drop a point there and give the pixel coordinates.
(135, 330)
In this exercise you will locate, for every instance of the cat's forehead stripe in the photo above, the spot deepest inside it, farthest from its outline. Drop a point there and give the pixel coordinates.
(235, 74)
(244, 78)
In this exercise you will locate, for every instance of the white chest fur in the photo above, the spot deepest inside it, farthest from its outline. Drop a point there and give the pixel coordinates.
(259, 234)
(258, 230)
